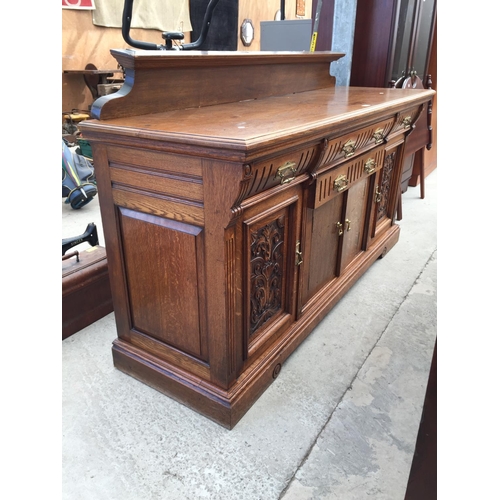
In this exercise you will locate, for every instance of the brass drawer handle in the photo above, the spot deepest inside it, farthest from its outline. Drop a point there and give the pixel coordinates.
(406, 121)
(340, 183)
(347, 225)
(349, 148)
(378, 195)
(286, 172)
(378, 136)
(370, 165)
(340, 228)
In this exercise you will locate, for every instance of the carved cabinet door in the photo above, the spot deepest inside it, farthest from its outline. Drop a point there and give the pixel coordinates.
(385, 187)
(271, 257)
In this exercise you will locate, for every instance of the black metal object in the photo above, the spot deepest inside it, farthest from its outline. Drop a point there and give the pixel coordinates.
(90, 236)
(168, 36)
(224, 31)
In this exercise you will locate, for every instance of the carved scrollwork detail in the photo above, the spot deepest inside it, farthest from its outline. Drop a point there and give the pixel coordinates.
(266, 272)
(319, 160)
(248, 175)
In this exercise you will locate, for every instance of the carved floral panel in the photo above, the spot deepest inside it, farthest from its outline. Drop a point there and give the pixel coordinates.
(266, 272)
(385, 186)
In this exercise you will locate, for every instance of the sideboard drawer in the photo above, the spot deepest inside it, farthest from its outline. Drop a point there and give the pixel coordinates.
(405, 120)
(281, 169)
(355, 143)
(338, 179)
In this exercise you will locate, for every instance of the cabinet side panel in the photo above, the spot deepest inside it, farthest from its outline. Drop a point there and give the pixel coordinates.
(160, 259)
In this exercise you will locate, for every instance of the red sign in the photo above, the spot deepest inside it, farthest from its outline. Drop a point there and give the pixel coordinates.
(78, 4)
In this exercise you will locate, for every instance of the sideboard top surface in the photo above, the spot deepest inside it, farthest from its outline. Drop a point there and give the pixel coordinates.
(241, 102)
(251, 124)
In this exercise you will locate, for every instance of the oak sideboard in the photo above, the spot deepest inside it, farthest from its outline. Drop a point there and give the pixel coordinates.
(242, 194)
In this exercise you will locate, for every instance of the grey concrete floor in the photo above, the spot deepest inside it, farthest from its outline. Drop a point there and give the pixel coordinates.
(340, 421)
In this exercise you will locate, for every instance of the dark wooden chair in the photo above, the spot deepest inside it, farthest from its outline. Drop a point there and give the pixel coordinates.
(420, 138)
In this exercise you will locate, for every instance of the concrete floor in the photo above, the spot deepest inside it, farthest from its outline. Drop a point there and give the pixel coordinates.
(340, 421)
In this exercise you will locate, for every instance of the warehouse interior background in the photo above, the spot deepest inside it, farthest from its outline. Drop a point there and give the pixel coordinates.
(468, 269)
